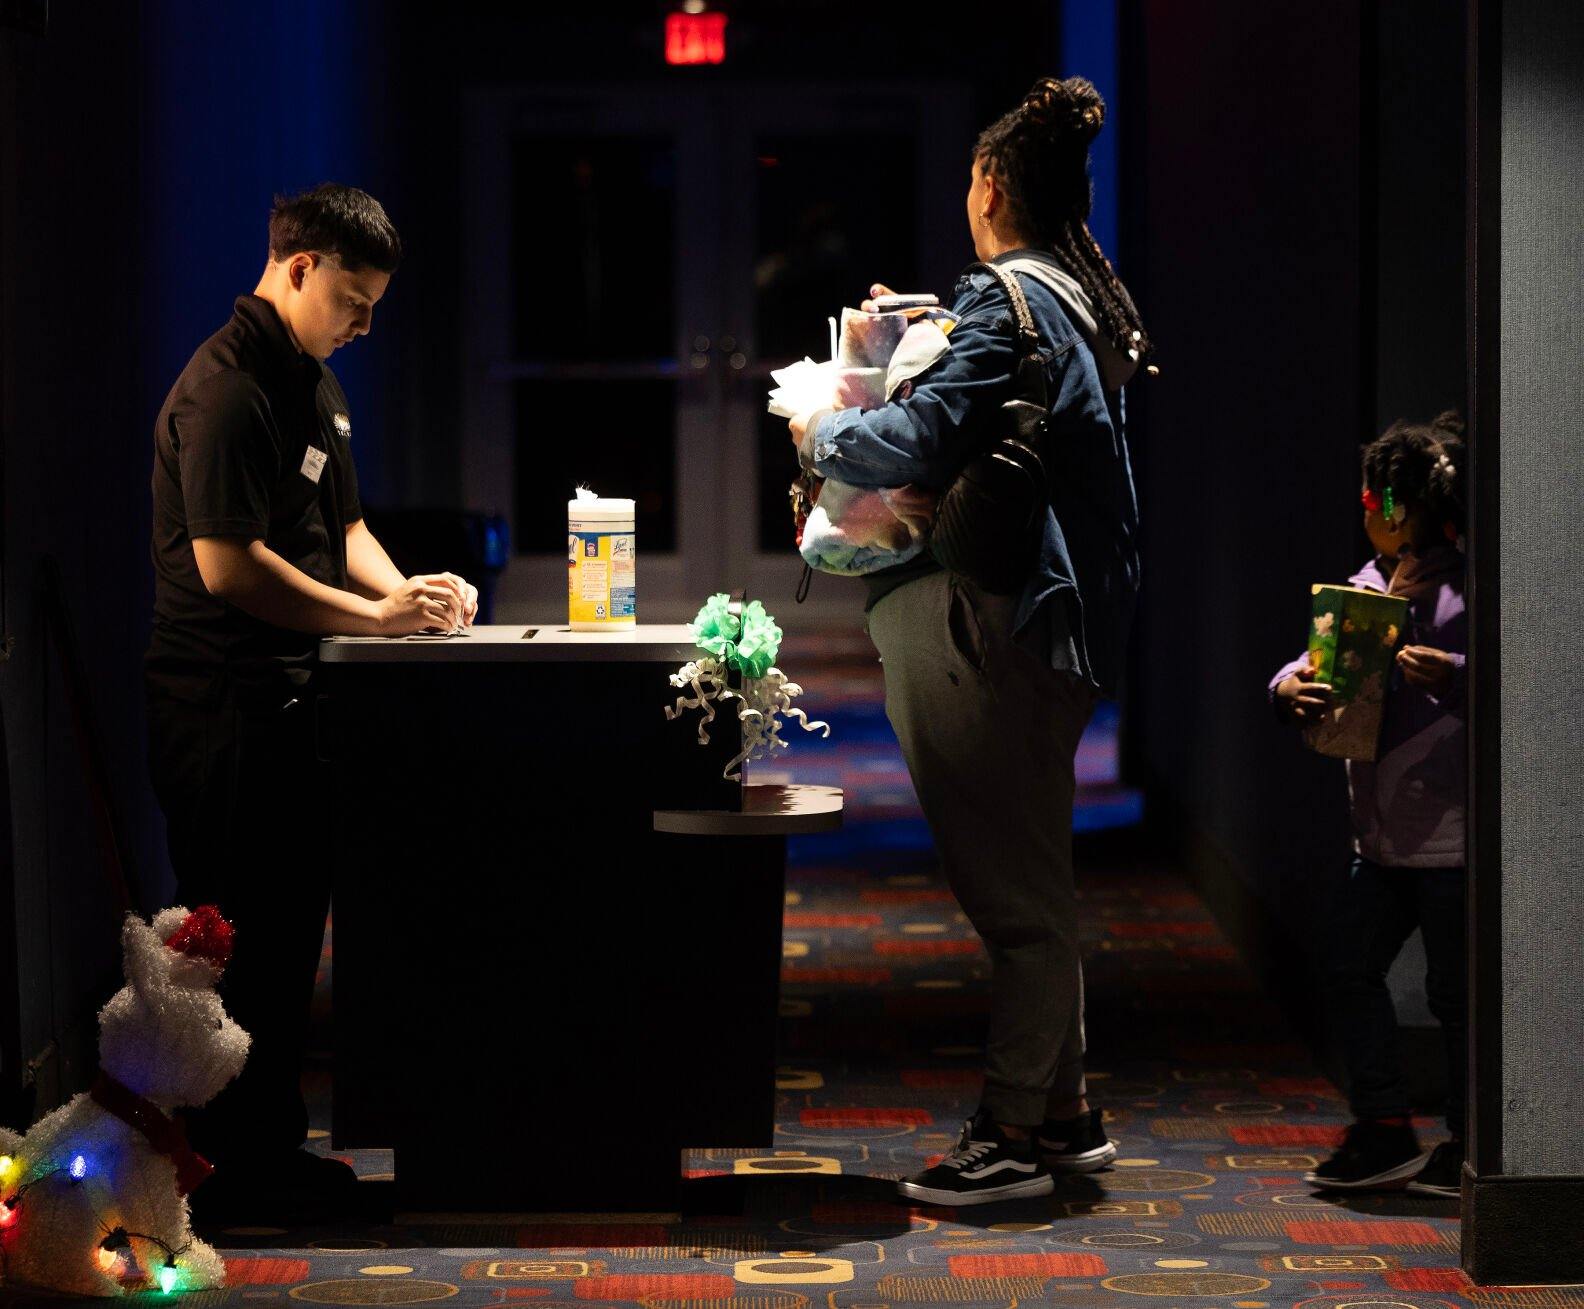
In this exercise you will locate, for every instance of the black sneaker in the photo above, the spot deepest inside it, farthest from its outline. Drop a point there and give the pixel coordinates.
(984, 1167)
(1075, 1145)
(1443, 1175)
(1372, 1156)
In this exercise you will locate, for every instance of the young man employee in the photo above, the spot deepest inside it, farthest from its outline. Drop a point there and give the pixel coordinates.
(260, 549)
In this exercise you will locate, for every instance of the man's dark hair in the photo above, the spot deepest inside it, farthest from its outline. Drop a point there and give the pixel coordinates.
(335, 220)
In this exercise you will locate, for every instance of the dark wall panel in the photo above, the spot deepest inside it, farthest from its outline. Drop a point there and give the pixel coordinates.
(76, 444)
(1540, 473)
(1419, 316)
(1247, 248)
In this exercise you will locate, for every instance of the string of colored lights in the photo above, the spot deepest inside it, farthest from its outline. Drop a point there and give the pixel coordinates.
(109, 1255)
(113, 1261)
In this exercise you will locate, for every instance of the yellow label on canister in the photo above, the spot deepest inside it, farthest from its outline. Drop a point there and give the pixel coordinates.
(601, 566)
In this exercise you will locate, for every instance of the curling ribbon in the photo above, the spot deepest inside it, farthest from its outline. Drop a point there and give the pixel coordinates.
(762, 700)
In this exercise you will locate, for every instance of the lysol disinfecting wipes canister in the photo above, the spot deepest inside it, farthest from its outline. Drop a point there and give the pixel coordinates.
(601, 563)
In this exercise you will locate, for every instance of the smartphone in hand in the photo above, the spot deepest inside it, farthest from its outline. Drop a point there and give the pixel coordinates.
(890, 304)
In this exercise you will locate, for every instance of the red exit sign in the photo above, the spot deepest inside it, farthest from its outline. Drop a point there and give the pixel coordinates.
(695, 38)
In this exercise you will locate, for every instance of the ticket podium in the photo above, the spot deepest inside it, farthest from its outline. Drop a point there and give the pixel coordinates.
(557, 929)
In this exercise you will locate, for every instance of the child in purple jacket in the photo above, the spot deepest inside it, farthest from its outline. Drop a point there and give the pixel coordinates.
(1409, 810)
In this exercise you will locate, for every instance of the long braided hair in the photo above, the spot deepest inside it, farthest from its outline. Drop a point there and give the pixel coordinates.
(1039, 154)
(1423, 464)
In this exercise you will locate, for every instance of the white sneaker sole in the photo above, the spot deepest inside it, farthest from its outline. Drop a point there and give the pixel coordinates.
(1031, 1186)
(1090, 1161)
(1379, 1181)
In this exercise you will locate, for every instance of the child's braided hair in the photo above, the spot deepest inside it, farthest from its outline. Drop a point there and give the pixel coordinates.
(1425, 465)
(1039, 153)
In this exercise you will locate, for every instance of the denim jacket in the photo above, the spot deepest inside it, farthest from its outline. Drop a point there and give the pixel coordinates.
(1078, 602)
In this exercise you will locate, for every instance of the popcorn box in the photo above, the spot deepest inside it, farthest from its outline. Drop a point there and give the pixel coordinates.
(1353, 641)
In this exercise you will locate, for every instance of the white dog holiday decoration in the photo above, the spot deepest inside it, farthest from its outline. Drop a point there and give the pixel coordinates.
(93, 1199)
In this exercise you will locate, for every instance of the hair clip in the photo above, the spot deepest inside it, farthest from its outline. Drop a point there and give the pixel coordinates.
(1394, 509)
(1371, 499)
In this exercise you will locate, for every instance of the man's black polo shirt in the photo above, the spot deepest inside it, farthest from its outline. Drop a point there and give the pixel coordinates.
(251, 443)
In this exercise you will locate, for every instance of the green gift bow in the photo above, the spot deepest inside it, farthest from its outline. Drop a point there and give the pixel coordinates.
(747, 644)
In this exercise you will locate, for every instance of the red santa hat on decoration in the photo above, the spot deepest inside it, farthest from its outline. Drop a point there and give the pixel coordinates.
(204, 940)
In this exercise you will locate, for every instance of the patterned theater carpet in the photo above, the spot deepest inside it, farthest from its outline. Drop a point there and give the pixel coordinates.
(1215, 1109)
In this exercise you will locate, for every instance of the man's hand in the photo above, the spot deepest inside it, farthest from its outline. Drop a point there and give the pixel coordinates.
(1429, 669)
(466, 593)
(422, 604)
(1301, 699)
(469, 601)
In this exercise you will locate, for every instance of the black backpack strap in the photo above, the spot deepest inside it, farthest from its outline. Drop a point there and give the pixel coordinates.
(1028, 372)
(1027, 335)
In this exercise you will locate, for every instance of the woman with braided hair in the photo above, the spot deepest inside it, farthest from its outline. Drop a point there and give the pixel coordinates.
(1409, 807)
(989, 694)
(1037, 157)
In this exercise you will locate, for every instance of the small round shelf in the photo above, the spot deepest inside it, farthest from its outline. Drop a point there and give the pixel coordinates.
(767, 811)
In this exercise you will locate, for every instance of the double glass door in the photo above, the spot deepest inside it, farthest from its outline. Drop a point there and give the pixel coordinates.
(638, 262)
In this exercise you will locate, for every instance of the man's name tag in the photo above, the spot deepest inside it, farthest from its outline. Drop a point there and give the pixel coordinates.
(313, 464)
